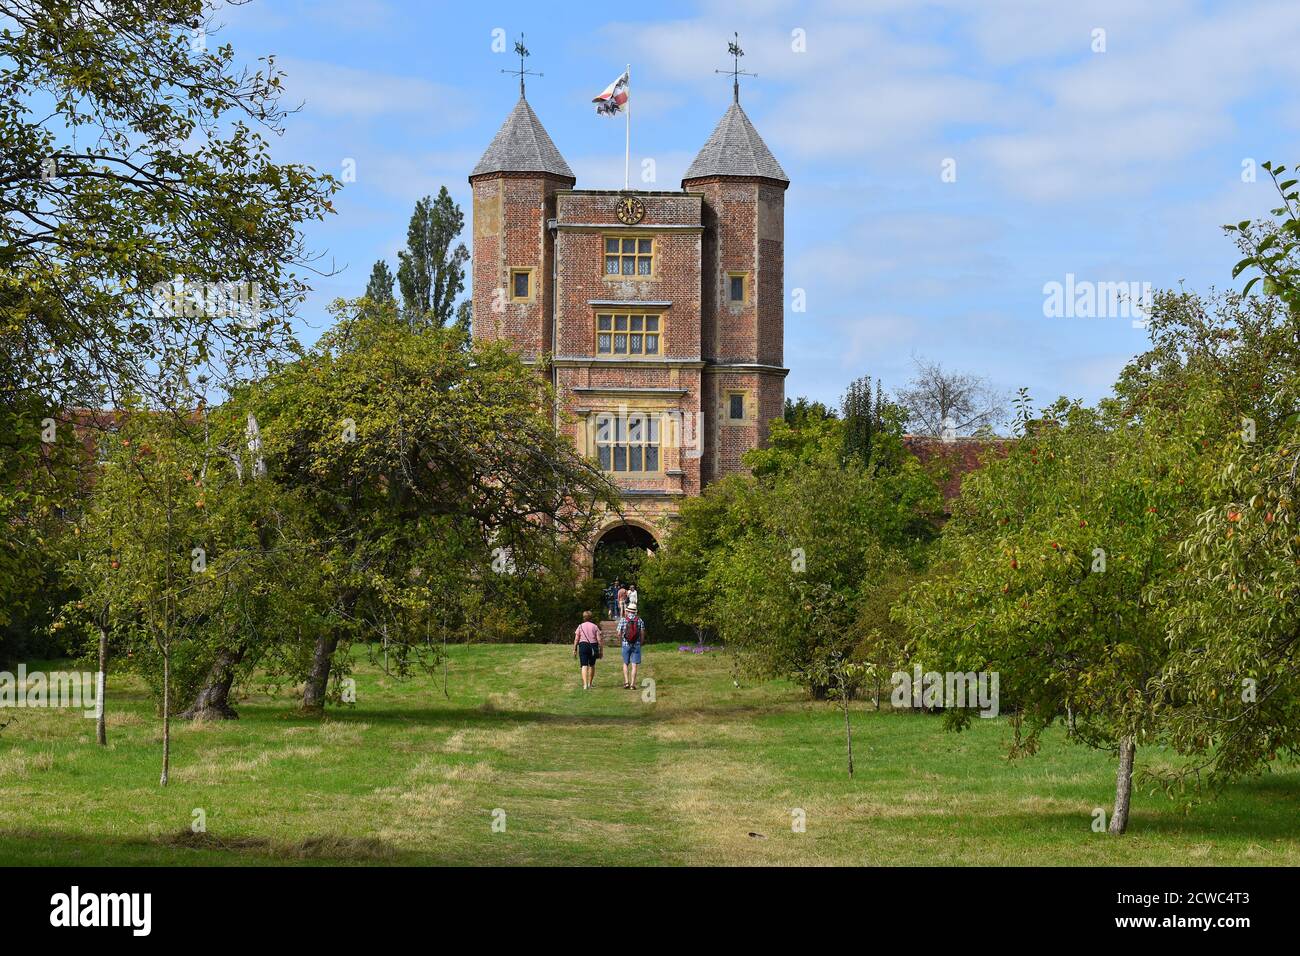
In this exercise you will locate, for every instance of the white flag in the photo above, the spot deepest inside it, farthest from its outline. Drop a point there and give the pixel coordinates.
(614, 99)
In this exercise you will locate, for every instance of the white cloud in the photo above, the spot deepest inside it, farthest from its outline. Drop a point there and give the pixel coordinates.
(411, 175)
(342, 91)
(1119, 121)
(1121, 165)
(1020, 81)
(605, 170)
(916, 254)
(371, 16)
(879, 116)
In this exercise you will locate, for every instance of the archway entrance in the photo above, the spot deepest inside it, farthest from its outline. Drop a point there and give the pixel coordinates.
(620, 552)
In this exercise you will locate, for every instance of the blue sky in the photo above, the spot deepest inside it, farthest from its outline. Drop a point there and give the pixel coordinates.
(1114, 165)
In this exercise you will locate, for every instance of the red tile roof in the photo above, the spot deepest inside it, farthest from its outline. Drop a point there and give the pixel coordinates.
(955, 458)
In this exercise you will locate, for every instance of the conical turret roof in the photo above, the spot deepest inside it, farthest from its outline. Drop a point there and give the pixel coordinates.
(735, 149)
(522, 145)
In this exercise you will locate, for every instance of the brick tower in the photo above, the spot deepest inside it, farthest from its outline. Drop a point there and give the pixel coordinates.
(742, 337)
(660, 311)
(514, 255)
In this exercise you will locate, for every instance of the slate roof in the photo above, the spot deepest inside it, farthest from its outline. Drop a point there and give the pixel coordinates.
(736, 149)
(522, 145)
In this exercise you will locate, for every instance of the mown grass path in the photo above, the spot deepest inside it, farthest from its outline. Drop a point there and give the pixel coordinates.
(706, 774)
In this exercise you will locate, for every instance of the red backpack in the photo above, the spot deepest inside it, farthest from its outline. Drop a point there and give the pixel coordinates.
(632, 633)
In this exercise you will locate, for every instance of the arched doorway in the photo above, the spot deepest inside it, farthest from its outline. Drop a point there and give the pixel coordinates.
(619, 553)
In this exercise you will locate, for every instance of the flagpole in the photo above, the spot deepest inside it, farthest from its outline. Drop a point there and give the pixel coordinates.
(627, 117)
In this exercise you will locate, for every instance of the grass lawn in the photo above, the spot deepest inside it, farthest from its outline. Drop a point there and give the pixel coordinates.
(408, 776)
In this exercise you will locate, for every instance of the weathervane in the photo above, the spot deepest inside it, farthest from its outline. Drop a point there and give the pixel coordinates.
(736, 72)
(522, 51)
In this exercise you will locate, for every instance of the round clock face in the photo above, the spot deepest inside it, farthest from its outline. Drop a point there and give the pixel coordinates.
(630, 210)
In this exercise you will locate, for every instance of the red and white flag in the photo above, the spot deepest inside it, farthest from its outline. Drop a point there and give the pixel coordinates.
(614, 99)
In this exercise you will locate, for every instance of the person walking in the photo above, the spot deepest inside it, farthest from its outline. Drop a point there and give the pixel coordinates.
(622, 601)
(631, 630)
(631, 595)
(587, 643)
(611, 601)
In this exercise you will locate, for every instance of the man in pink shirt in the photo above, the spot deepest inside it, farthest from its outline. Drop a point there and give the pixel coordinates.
(587, 643)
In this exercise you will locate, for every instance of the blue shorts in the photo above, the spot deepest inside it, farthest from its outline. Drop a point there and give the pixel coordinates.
(631, 653)
(587, 653)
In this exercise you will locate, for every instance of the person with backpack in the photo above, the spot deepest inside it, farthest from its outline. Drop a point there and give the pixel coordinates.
(587, 643)
(631, 629)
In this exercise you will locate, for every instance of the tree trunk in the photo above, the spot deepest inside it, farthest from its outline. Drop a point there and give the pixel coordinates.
(167, 717)
(1123, 785)
(101, 725)
(848, 731)
(213, 699)
(313, 694)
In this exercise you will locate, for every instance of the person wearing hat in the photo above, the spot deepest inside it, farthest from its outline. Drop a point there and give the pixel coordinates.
(631, 629)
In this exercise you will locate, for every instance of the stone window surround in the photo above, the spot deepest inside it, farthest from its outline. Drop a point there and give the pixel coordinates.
(661, 401)
(532, 286)
(744, 287)
(635, 236)
(613, 312)
(649, 425)
(749, 399)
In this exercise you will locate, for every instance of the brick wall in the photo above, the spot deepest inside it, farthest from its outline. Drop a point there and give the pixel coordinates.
(589, 383)
(726, 440)
(672, 222)
(745, 229)
(510, 215)
(771, 275)
(701, 235)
